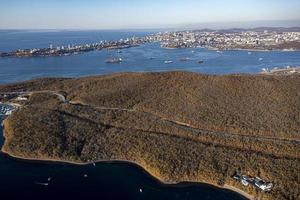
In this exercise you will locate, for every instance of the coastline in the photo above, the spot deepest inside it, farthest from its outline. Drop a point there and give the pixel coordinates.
(236, 49)
(225, 186)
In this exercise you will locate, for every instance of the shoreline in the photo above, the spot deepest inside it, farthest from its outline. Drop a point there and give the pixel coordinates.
(235, 49)
(59, 161)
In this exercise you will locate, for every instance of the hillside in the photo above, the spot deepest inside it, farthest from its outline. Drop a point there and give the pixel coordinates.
(179, 126)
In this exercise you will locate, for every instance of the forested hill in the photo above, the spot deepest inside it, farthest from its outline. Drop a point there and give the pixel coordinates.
(179, 126)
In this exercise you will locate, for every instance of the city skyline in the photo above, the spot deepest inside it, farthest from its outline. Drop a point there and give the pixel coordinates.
(134, 14)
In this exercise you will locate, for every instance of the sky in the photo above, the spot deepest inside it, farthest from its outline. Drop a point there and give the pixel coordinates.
(130, 14)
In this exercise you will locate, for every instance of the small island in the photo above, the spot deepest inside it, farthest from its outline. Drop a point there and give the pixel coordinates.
(179, 126)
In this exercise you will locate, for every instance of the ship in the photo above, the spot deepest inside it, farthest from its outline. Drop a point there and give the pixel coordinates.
(114, 60)
(184, 59)
(168, 62)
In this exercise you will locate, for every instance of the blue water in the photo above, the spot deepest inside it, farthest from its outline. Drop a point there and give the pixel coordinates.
(136, 59)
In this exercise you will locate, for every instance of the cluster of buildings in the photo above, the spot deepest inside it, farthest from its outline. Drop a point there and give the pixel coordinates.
(222, 40)
(75, 49)
(254, 181)
(217, 40)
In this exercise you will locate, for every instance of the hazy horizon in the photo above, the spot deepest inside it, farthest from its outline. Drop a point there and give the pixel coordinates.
(211, 25)
(157, 14)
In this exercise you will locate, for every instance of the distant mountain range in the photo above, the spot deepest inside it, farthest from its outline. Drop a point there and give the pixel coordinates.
(257, 29)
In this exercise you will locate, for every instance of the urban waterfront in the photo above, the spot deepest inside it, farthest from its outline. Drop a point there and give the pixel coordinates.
(146, 57)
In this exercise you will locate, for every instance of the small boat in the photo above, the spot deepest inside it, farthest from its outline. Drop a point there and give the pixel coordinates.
(168, 62)
(49, 179)
(114, 60)
(200, 61)
(140, 190)
(85, 175)
(94, 164)
(260, 59)
(43, 184)
(184, 59)
(249, 53)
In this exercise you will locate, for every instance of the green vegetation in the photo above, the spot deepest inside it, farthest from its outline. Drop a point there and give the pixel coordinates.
(179, 126)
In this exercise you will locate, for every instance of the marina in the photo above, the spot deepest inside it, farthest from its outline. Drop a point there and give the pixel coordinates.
(6, 110)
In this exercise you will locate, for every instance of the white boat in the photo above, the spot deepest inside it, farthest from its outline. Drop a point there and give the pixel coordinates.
(43, 184)
(184, 59)
(168, 62)
(114, 60)
(260, 59)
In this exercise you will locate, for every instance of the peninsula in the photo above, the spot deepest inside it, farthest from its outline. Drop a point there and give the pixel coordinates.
(257, 39)
(179, 126)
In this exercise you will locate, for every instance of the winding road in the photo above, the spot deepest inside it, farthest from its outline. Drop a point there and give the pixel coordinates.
(192, 128)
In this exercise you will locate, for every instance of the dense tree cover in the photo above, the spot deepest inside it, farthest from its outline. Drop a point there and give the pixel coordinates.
(178, 126)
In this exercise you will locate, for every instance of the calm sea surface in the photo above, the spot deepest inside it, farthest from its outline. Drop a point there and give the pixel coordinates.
(20, 179)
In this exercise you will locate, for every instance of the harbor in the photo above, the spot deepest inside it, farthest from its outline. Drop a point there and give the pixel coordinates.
(6, 110)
